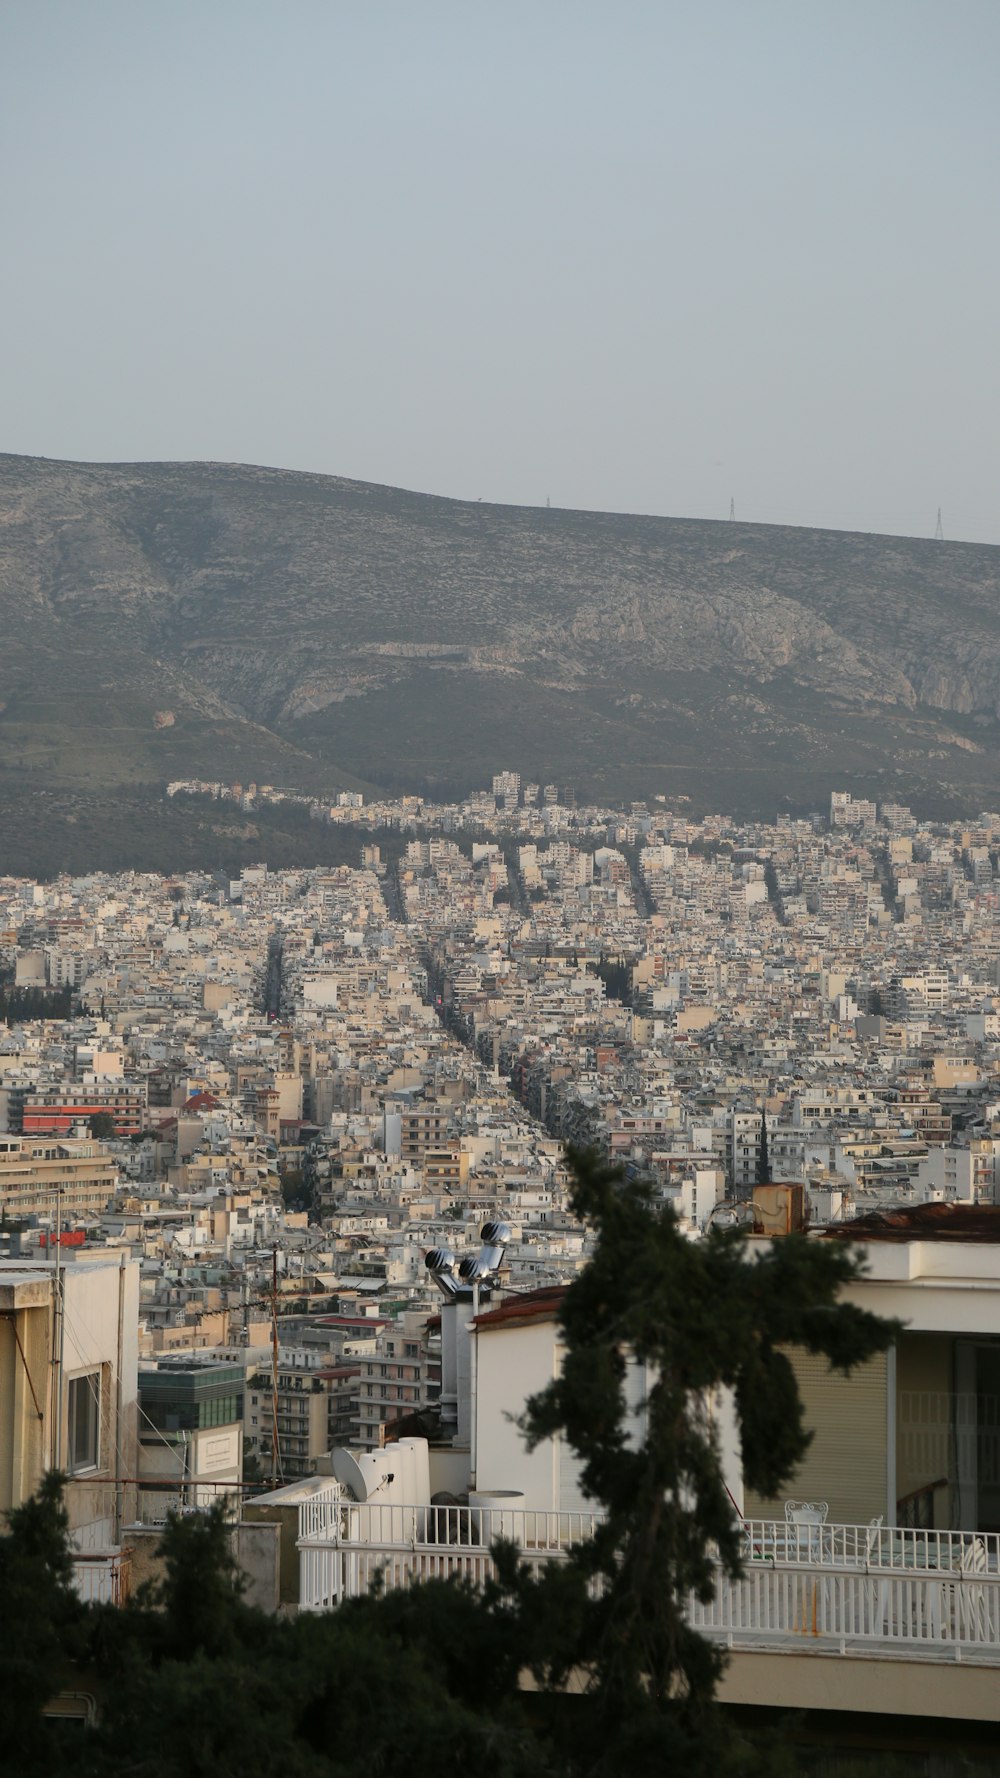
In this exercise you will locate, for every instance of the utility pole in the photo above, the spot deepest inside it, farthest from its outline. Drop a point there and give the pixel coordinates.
(763, 1158)
(58, 1337)
(119, 1351)
(275, 1442)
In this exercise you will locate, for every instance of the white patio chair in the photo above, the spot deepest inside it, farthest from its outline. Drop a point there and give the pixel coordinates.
(974, 1623)
(961, 1607)
(975, 1557)
(872, 1539)
(876, 1592)
(806, 1512)
(804, 1521)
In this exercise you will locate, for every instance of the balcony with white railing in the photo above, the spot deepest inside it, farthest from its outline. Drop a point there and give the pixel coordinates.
(103, 1578)
(343, 1545)
(827, 1610)
(107, 1518)
(835, 1589)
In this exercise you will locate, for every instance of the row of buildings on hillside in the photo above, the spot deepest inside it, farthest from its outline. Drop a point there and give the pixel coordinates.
(268, 1099)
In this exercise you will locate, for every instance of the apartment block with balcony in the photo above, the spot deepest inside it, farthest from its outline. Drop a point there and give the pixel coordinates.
(423, 1127)
(291, 1429)
(38, 1175)
(401, 1379)
(58, 1110)
(914, 1436)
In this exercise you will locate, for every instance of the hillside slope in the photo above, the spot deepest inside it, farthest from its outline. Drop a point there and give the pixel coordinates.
(233, 621)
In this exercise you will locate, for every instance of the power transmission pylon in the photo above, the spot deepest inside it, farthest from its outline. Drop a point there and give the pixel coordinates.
(939, 528)
(732, 507)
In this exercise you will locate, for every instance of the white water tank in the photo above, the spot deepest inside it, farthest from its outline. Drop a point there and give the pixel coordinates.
(497, 1512)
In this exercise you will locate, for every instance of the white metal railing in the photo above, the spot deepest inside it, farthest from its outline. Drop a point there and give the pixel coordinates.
(868, 1546)
(330, 1516)
(103, 1579)
(100, 1511)
(330, 1573)
(93, 1537)
(326, 1517)
(319, 1515)
(832, 1587)
(915, 1613)
(344, 1545)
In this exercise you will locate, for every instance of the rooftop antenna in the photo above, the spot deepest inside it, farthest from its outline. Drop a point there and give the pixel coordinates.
(939, 529)
(732, 507)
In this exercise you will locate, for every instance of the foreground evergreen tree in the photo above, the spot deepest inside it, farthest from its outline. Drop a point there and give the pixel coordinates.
(41, 1623)
(703, 1315)
(193, 1683)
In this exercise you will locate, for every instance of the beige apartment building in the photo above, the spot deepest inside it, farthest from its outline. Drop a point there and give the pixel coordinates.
(401, 1378)
(68, 1399)
(313, 1411)
(446, 1168)
(36, 1172)
(423, 1127)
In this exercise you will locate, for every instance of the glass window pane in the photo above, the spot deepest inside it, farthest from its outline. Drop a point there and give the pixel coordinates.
(84, 1421)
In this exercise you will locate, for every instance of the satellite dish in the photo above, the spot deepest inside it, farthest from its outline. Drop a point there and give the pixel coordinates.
(350, 1474)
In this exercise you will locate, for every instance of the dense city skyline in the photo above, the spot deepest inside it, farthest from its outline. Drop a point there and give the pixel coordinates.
(499, 968)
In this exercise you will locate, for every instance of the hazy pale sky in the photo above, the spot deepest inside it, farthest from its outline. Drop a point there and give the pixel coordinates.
(641, 256)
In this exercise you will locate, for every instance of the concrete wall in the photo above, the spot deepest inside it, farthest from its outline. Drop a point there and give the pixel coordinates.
(257, 1550)
(320, 990)
(962, 1691)
(254, 1546)
(284, 1522)
(515, 1362)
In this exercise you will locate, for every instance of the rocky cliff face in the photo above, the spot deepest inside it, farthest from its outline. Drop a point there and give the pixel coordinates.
(301, 620)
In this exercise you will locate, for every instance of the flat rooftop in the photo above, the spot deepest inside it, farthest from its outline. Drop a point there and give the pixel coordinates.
(922, 1222)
